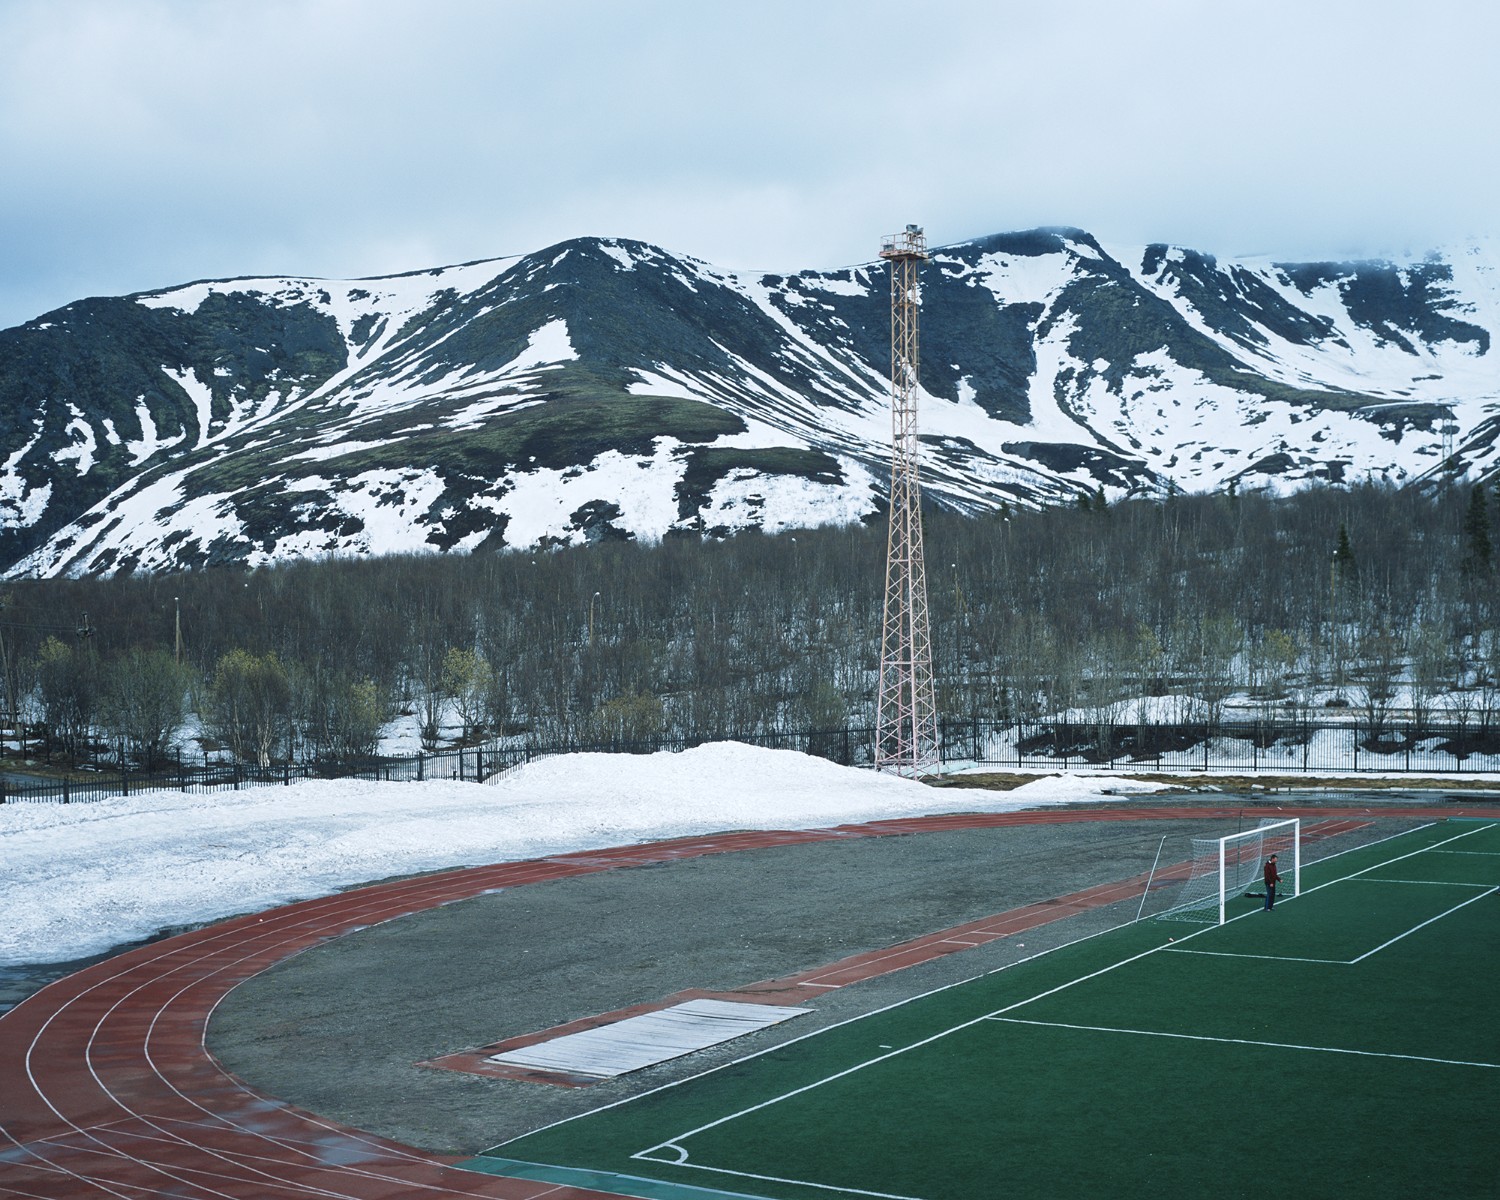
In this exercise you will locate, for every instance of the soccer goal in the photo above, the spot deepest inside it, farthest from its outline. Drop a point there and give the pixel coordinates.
(1226, 867)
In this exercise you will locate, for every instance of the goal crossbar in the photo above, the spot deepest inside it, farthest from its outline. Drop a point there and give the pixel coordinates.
(1223, 868)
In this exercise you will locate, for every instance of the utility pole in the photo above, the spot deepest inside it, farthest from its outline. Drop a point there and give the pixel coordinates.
(12, 715)
(906, 734)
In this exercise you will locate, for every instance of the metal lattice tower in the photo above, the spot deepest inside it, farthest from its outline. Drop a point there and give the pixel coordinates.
(906, 734)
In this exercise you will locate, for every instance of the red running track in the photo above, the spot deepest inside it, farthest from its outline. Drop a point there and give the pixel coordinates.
(107, 1088)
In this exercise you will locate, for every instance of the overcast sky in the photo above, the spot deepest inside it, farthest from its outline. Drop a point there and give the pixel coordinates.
(145, 143)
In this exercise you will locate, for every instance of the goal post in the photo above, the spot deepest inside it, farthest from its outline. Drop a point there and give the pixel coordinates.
(1223, 868)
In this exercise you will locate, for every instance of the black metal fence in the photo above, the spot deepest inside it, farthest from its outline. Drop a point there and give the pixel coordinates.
(1272, 747)
(472, 764)
(1262, 746)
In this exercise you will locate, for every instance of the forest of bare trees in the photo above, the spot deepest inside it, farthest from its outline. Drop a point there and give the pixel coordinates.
(1332, 595)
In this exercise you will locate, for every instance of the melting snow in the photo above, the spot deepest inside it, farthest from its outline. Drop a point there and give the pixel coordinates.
(619, 254)
(81, 878)
(548, 345)
(83, 444)
(150, 440)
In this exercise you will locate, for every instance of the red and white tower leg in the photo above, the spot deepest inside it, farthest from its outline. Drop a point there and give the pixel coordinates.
(906, 732)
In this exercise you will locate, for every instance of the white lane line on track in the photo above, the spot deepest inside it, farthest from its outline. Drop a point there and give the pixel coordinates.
(268, 935)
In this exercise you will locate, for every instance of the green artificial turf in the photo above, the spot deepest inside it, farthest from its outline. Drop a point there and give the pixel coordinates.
(1344, 1044)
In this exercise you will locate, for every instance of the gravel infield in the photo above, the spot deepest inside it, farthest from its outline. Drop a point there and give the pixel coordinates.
(338, 1029)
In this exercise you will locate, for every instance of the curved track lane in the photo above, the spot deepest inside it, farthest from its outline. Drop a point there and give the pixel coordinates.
(107, 1088)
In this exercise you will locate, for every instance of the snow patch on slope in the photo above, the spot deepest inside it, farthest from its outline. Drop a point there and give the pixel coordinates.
(83, 445)
(547, 346)
(150, 442)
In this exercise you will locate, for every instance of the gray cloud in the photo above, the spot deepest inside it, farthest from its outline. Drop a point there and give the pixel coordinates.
(147, 142)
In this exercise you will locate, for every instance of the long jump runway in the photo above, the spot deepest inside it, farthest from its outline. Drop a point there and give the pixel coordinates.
(107, 1088)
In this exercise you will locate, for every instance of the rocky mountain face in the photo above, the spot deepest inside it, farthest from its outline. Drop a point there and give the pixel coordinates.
(609, 389)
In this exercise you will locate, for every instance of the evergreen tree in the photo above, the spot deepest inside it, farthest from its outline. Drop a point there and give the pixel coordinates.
(1345, 568)
(1343, 583)
(1478, 548)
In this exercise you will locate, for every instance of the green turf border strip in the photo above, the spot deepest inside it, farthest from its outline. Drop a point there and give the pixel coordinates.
(583, 1177)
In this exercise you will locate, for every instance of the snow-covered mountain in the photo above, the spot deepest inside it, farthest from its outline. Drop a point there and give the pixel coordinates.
(607, 388)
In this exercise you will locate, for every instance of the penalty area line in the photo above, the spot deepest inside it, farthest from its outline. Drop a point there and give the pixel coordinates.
(682, 1160)
(1420, 882)
(1328, 962)
(1424, 924)
(677, 1140)
(1195, 1037)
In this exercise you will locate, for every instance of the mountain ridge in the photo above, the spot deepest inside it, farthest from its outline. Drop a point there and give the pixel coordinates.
(604, 387)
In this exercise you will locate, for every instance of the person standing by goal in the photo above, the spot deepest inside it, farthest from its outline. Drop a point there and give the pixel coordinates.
(1273, 877)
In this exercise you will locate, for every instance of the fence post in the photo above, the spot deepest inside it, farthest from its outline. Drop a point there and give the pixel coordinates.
(460, 765)
(1354, 733)
(66, 795)
(1410, 733)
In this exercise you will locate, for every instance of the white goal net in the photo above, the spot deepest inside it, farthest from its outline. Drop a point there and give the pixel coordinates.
(1228, 868)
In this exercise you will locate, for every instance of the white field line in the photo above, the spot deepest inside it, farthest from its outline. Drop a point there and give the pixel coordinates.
(1326, 962)
(675, 1142)
(1439, 848)
(1424, 882)
(1193, 1037)
(676, 1083)
(875, 1012)
(823, 1187)
(1434, 849)
(1424, 924)
(1361, 877)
